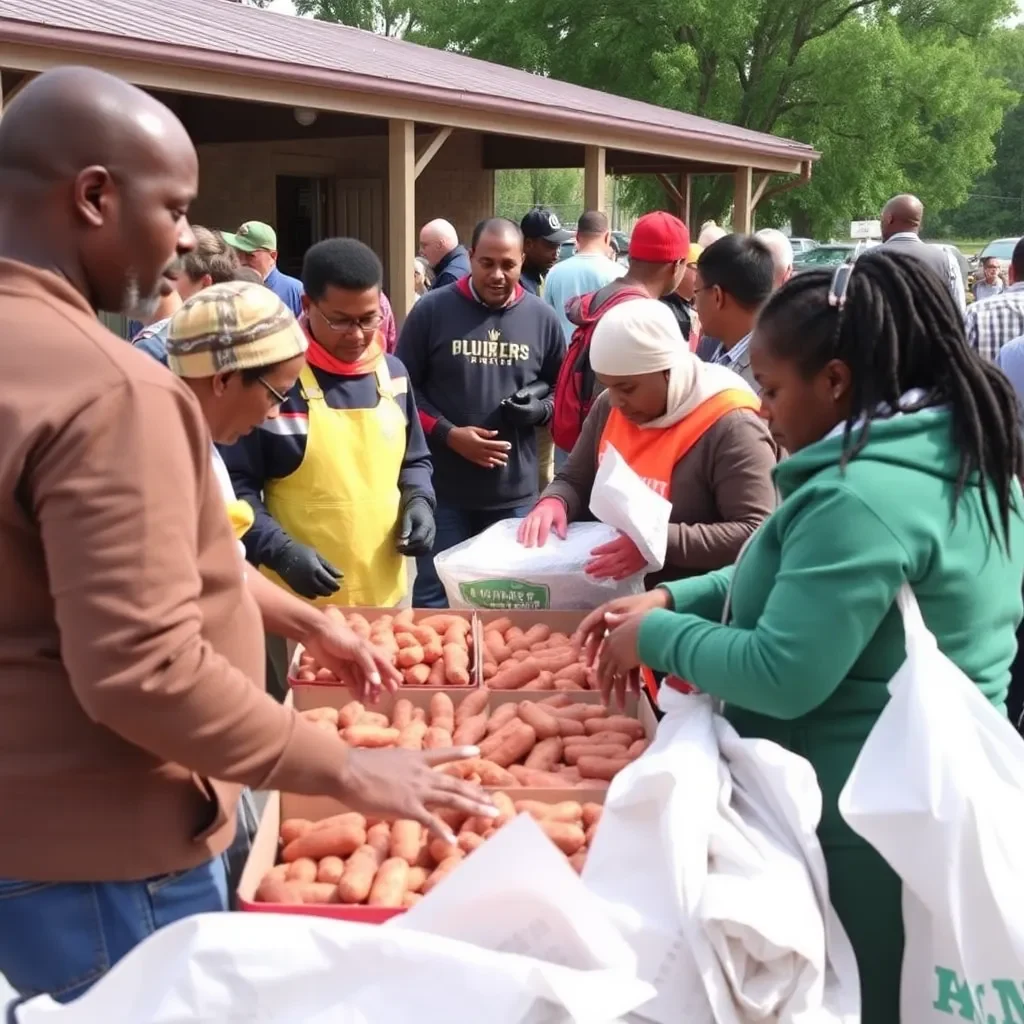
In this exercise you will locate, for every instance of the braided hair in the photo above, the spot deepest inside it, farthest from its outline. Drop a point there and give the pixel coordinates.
(897, 330)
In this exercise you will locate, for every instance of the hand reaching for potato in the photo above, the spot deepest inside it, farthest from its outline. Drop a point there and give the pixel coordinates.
(363, 667)
(401, 783)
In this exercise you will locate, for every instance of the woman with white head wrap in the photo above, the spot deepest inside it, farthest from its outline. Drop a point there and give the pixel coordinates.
(689, 429)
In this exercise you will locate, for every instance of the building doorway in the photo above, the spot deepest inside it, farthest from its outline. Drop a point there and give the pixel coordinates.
(301, 218)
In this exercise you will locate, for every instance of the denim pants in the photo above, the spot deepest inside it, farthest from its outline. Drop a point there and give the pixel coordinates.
(454, 525)
(60, 938)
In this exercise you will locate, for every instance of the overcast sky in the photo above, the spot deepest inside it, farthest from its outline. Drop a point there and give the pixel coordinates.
(287, 7)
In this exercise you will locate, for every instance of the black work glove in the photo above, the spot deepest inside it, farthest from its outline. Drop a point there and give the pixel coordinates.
(416, 530)
(309, 574)
(527, 407)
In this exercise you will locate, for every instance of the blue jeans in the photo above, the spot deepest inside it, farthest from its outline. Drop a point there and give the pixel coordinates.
(60, 938)
(454, 525)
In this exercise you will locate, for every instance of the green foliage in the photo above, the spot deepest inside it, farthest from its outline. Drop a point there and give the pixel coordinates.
(560, 190)
(385, 17)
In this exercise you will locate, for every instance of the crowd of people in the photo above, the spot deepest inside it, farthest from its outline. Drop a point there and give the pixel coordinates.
(269, 446)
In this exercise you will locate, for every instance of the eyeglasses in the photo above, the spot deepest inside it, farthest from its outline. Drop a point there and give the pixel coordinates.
(367, 323)
(276, 395)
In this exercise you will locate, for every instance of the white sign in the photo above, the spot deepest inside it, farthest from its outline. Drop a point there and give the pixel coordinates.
(866, 229)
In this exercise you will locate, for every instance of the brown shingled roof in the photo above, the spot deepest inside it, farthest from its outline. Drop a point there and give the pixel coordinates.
(216, 34)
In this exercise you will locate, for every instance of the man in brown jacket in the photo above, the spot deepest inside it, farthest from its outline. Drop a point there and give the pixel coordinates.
(131, 654)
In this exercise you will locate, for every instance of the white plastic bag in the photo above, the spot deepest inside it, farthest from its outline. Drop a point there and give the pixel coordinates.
(938, 790)
(727, 906)
(493, 570)
(620, 498)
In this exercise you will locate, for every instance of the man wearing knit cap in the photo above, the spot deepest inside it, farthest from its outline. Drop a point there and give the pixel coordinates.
(658, 250)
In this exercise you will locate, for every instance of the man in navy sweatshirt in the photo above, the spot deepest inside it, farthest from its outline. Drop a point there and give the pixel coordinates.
(482, 357)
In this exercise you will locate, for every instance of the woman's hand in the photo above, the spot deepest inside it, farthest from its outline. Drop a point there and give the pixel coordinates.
(402, 784)
(356, 661)
(618, 668)
(618, 560)
(547, 515)
(593, 629)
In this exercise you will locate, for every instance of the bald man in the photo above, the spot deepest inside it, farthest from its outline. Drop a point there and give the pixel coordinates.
(439, 245)
(902, 218)
(131, 652)
(483, 356)
(782, 255)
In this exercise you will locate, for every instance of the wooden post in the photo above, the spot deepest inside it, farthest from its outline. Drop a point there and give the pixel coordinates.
(401, 215)
(684, 186)
(594, 172)
(742, 211)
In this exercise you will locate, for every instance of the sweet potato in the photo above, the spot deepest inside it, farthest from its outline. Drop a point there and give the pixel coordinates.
(568, 811)
(545, 755)
(346, 818)
(415, 879)
(325, 675)
(401, 714)
(273, 890)
(425, 635)
(471, 731)
(442, 712)
(570, 727)
(384, 638)
(637, 748)
(457, 634)
(389, 885)
(498, 625)
(302, 869)
(317, 892)
(515, 674)
(409, 656)
(506, 809)
(370, 736)
(533, 778)
(544, 724)
(559, 700)
(471, 705)
(578, 860)
(573, 753)
(436, 739)
(535, 635)
(492, 774)
(512, 636)
(570, 775)
(305, 675)
(575, 673)
(500, 717)
(513, 746)
(520, 655)
(490, 670)
(406, 838)
(404, 619)
(604, 768)
(495, 646)
(279, 871)
(374, 718)
(591, 814)
(337, 840)
(378, 838)
(582, 712)
(456, 664)
(406, 640)
(568, 838)
(360, 871)
(617, 723)
(330, 869)
(319, 714)
(411, 737)
(440, 849)
(606, 737)
(410, 899)
(440, 623)
(545, 681)
(350, 714)
(436, 676)
(293, 828)
(445, 868)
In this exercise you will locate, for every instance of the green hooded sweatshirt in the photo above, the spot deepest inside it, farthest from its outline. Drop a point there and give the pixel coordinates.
(814, 634)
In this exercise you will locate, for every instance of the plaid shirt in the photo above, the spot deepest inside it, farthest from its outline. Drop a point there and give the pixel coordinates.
(996, 321)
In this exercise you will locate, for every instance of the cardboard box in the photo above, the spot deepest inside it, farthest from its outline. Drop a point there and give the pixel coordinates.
(373, 614)
(282, 806)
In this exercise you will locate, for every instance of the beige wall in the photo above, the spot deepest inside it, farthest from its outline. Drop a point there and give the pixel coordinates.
(237, 180)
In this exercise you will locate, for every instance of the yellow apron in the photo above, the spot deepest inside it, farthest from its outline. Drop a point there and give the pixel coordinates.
(241, 516)
(343, 500)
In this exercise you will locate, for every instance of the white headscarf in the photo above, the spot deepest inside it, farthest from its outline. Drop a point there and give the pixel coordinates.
(643, 336)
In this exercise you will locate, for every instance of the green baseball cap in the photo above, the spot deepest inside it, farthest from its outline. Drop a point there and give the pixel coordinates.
(252, 236)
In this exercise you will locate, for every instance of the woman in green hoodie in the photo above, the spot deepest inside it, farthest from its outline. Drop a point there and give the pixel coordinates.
(905, 457)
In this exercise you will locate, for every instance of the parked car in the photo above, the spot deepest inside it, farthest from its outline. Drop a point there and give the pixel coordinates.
(831, 255)
(802, 245)
(567, 249)
(1002, 249)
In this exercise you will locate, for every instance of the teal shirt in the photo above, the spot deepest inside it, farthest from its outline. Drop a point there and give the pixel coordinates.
(814, 633)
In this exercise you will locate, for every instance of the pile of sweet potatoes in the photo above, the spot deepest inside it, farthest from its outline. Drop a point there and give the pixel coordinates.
(550, 743)
(532, 659)
(433, 650)
(353, 860)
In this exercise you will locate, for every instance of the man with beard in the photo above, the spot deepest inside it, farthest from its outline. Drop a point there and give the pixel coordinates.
(482, 357)
(131, 654)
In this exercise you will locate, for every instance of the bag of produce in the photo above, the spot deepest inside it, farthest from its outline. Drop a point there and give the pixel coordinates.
(493, 570)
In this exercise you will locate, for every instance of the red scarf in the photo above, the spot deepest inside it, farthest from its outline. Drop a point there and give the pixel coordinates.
(318, 356)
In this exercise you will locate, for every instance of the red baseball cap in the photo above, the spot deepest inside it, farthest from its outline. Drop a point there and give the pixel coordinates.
(659, 238)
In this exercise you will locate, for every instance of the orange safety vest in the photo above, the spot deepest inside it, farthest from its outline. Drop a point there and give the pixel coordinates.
(654, 454)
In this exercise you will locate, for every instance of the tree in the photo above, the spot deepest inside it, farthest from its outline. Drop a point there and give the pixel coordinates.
(886, 90)
(385, 17)
(560, 189)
